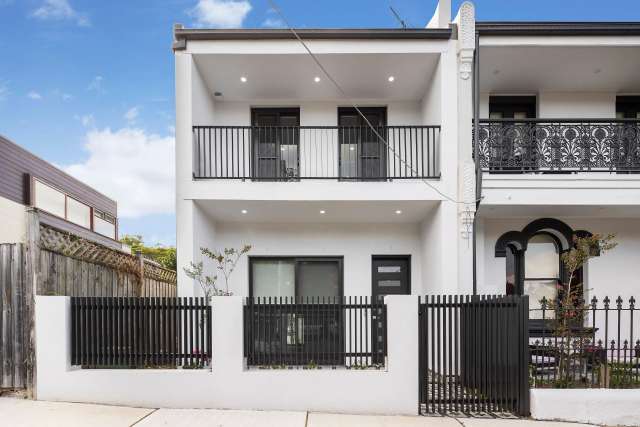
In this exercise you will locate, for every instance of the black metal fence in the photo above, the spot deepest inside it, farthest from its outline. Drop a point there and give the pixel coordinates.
(559, 145)
(291, 153)
(473, 354)
(315, 331)
(585, 344)
(140, 332)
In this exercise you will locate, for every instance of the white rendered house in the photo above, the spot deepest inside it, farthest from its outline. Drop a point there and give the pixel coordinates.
(271, 153)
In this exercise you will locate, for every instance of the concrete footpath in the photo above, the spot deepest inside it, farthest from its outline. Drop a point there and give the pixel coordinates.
(26, 413)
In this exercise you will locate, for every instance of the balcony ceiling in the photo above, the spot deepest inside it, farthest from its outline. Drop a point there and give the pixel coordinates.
(284, 212)
(291, 76)
(555, 211)
(585, 69)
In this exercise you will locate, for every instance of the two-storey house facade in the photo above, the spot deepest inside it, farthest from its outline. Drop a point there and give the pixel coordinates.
(350, 155)
(559, 150)
(342, 156)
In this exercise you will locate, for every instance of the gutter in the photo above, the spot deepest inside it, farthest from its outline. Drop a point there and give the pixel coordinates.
(514, 28)
(181, 35)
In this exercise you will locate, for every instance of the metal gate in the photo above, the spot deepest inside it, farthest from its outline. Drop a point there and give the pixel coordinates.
(474, 354)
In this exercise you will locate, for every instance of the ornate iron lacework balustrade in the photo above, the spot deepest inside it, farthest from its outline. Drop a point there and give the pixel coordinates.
(552, 145)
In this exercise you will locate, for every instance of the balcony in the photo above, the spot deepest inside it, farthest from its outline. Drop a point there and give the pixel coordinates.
(559, 145)
(293, 153)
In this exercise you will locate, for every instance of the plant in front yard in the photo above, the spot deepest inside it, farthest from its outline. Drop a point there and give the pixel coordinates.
(225, 263)
(569, 308)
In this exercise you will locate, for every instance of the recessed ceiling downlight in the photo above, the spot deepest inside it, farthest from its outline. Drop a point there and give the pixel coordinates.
(391, 78)
(243, 79)
(316, 79)
(243, 211)
(398, 212)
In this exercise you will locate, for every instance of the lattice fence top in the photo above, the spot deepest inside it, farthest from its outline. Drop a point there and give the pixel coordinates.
(73, 246)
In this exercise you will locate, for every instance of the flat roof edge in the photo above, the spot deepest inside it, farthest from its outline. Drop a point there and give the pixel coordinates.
(524, 28)
(181, 34)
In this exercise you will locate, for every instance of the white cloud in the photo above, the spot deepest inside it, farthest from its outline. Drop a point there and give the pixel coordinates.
(34, 95)
(60, 10)
(62, 95)
(96, 84)
(133, 167)
(273, 23)
(132, 114)
(221, 13)
(87, 120)
(4, 90)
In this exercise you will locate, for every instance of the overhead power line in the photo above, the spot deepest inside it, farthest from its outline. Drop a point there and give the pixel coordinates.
(275, 7)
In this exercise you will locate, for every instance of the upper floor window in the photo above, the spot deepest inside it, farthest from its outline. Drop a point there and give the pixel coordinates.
(276, 141)
(512, 107)
(628, 107)
(104, 224)
(60, 204)
(362, 153)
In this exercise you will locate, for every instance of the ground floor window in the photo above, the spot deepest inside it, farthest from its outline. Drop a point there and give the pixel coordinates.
(295, 277)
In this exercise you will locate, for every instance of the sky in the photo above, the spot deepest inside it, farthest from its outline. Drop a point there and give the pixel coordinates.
(88, 85)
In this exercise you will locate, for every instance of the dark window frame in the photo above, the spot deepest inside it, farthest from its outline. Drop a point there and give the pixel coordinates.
(628, 105)
(383, 111)
(297, 259)
(508, 105)
(279, 111)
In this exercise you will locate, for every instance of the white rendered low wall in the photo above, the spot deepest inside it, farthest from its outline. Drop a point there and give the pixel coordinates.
(230, 384)
(593, 406)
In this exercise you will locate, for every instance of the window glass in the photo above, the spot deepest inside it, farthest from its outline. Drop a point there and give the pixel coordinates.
(273, 278)
(49, 199)
(78, 213)
(319, 279)
(537, 290)
(542, 259)
(104, 227)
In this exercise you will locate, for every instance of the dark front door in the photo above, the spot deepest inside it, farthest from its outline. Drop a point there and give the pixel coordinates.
(276, 136)
(362, 152)
(391, 275)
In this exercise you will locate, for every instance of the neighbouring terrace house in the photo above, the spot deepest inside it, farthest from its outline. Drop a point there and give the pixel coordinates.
(61, 201)
(559, 150)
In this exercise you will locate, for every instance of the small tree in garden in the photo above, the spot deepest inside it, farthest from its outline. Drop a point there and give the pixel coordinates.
(225, 264)
(569, 307)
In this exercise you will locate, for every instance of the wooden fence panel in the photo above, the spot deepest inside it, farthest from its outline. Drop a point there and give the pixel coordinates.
(59, 275)
(13, 325)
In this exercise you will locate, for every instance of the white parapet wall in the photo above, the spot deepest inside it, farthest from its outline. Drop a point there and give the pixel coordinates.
(229, 384)
(594, 406)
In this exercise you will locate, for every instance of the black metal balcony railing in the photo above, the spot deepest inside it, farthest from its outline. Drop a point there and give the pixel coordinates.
(559, 145)
(286, 153)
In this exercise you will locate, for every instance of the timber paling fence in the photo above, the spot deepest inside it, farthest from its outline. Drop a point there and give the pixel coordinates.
(14, 318)
(68, 266)
(140, 332)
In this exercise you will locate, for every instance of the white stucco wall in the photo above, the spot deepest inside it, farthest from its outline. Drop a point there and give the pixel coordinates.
(14, 222)
(613, 274)
(560, 105)
(593, 406)
(575, 105)
(229, 385)
(355, 242)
